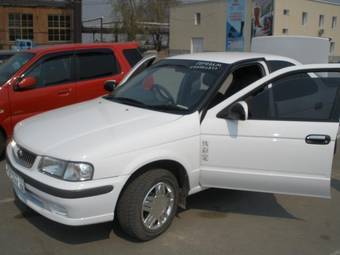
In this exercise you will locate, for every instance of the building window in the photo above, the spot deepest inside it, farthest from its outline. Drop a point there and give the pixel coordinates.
(285, 31)
(197, 18)
(334, 19)
(59, 28)
(20, 26)
(304, 18)
(285, 12)
(332, 48)
(321, 21)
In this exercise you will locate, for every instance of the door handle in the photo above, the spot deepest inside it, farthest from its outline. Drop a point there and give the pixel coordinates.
(65, 92)
(318, 139)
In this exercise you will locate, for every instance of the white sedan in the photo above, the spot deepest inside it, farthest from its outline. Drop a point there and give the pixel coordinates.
(182, 125)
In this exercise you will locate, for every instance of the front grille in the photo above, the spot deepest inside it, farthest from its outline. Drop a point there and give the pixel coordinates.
(23, 157)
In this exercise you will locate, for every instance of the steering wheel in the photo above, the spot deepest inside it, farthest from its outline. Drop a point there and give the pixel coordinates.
(164, 93)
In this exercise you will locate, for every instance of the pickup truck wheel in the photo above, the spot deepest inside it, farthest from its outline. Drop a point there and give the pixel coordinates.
(148, 204)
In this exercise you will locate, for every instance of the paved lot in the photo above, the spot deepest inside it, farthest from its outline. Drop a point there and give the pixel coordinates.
(217, 222)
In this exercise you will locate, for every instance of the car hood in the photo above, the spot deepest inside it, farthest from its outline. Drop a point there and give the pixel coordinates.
(79, 131)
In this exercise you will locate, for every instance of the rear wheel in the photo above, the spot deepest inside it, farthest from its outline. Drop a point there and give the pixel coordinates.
(148, 204)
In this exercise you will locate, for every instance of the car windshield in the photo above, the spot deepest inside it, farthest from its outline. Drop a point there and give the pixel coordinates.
(176, 86)
(11, 66)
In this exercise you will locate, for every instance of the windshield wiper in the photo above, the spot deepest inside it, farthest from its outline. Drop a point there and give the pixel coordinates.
(169, 107)
(129, 101)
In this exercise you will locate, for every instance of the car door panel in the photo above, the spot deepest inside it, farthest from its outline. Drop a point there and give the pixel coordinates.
(265, 156)
(49, 93)
(94, 67)
(268, 155)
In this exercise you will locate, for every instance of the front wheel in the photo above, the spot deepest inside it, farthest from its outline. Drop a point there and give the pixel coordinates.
(148, 204)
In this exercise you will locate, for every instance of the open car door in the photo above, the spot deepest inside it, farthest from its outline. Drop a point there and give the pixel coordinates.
(139, 67)
(277, 135)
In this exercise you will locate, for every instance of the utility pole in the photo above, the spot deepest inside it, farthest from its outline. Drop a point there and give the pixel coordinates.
(101, 19)
(77, 22)
(101, 29)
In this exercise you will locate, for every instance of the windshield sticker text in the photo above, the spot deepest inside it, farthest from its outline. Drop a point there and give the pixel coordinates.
(207, 66)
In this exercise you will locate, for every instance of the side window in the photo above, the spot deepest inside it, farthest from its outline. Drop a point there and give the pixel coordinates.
(298, 97)
(237, 80)
(53, 71)
(274, 65)
(97, 64)
(132, 56)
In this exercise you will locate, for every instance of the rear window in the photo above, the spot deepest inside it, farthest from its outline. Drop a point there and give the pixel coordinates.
(133, 56)
(275, 65)
(97, 64)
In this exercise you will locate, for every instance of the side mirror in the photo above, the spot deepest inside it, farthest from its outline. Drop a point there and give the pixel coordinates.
(27, 83)
(110, 85)
(237, 111)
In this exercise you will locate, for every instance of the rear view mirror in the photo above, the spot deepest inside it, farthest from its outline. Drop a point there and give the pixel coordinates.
(27, 83)
(110, 85)
(237, 111)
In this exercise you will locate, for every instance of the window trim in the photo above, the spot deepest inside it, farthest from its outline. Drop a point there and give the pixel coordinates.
(203, 107)
(286, 12)
(127, 60)
(304, 20)
(102, 50)
(46, 57)
(321, 21)
(198, 18)
(20, 27)
(334, 22)
(59, 28)
(243, 97)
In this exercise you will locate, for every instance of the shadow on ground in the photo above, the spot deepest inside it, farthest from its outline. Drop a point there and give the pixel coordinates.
(63, 233)
(214, 203)
(336, 184)
(241, 202)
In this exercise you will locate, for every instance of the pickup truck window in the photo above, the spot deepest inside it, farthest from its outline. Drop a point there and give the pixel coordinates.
(10, 67)
(132, 56)
(176, 86)
(55, 70)
(97, 64)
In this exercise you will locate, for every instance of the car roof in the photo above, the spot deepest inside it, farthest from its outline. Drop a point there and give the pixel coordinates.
(231, 57)
(75, 46)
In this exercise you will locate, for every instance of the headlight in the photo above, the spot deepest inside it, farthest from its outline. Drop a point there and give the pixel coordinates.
(78, 172)
(69, 171)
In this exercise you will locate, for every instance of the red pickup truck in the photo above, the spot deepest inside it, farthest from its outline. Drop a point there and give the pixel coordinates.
(42, 79)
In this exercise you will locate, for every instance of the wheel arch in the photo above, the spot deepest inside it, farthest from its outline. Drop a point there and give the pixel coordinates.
(172, 166)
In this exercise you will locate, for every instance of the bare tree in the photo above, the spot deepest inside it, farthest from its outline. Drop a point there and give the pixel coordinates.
(137, 15)
(128, 10)
(158, 12)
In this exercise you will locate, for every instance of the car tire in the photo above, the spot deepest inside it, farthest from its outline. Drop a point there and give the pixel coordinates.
(148, 204)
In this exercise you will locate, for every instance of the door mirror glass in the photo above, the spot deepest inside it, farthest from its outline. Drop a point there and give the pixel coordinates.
(27, 83)
(110, 85)
(237, 111)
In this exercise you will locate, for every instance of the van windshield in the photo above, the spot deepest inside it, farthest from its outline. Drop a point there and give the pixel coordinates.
(10, 67)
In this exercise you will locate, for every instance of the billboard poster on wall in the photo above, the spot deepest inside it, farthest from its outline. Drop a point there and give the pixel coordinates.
(262, 24)
(236, 15)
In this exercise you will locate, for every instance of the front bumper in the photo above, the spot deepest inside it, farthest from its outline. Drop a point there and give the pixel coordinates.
(69, 203)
